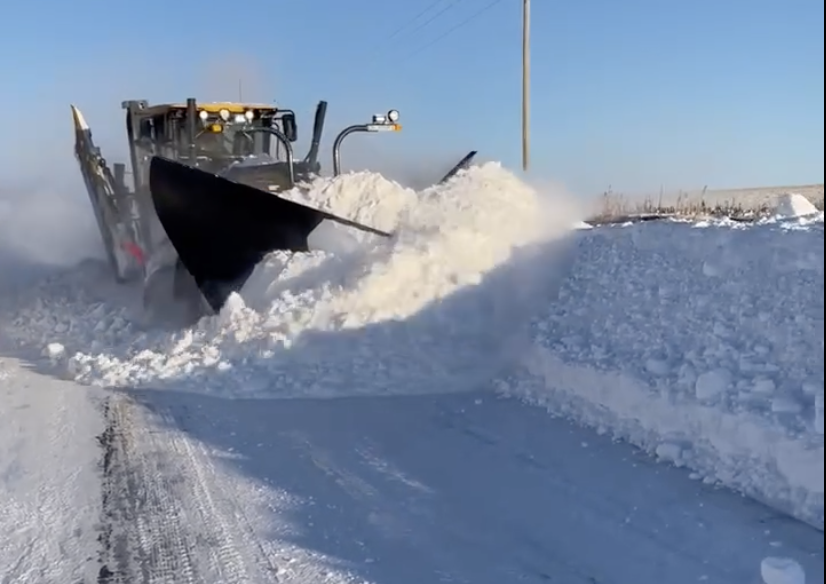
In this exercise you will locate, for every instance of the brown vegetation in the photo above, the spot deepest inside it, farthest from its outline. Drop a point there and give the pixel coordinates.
(737, 204)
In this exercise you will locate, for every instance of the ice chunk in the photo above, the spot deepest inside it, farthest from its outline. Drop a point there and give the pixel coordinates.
(54, 351)
(712, 383)
(781, 571)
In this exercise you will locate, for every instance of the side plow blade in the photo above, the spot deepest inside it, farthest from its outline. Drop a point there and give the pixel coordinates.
(110, 205)
(463, 164)
(222, 229)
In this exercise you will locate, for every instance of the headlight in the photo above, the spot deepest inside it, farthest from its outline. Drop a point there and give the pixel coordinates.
(393, 116)
(203, 115)
(240, 119)
(249, 114)
(224, 114)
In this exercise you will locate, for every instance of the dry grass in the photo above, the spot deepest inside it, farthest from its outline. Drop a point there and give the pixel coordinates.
(742, 204)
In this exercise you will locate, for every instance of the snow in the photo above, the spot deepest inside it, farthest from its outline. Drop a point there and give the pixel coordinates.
(375, 316)
(54, 351)
(699, 342)
(791, 205)
(49, 485)
(782, 571)
(411, 489)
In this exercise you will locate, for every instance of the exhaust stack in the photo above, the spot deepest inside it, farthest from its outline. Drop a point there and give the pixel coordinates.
(318, 129)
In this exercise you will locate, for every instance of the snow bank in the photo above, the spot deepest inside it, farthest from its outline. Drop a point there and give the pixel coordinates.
(435, 307)
(792, 205)
(702, 344)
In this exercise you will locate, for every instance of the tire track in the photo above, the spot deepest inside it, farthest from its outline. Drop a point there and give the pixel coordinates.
(226, 522)
(142, 539)
(164, 521)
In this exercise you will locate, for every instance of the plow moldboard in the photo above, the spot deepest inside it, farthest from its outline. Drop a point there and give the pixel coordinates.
(221, 229)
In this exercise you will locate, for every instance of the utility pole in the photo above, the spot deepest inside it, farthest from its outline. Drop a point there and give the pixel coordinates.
(526, 84)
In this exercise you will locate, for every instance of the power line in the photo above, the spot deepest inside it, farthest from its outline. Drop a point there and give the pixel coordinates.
(453, 29)
(452, 4)
(404, 26)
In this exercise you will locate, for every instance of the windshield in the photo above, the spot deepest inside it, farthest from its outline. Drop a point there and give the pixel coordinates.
(234, 141)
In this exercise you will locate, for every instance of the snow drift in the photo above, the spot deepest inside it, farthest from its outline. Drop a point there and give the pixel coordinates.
(702, 343)
(792, 205)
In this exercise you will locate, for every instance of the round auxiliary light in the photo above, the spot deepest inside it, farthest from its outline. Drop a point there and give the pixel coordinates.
(393, 116)
(203, 115)
(224, 114)
(249, 114)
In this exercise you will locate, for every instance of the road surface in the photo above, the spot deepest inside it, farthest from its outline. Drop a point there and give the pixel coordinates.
(455, 488)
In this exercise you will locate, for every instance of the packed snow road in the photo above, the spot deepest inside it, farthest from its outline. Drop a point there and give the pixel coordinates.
(49, 482)
(445, 488)
(187, 488)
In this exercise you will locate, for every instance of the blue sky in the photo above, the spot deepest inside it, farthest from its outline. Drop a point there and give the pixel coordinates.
(633, 94)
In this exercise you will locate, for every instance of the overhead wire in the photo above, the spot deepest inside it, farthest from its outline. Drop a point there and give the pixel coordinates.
(402, 28)
(451, 4)
(430, 6)
(453, 29)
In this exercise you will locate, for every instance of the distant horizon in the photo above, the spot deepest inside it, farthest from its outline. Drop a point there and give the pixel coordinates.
(713, 189)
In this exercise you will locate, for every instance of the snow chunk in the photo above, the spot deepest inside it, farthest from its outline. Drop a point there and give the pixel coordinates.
(764, 386)
(786, 405)
(711, 384)
(54, 351)
(793, 205)
(657, 367)
(781, 571)
(669, 451)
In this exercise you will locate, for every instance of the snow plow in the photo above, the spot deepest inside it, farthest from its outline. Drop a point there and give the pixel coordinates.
(203, 208)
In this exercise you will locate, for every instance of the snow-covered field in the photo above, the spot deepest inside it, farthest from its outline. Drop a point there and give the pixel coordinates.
(699, 342)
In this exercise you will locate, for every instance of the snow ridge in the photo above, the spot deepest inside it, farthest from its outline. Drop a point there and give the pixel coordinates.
(702, 343)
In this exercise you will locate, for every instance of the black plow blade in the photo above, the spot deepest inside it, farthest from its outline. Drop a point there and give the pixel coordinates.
(463, 164)
(222, 229)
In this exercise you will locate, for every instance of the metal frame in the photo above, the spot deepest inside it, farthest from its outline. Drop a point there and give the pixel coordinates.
(387, 123)
(284, 141)
(178, 117)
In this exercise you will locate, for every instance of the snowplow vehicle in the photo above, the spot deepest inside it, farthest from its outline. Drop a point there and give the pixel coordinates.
(203, 207)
